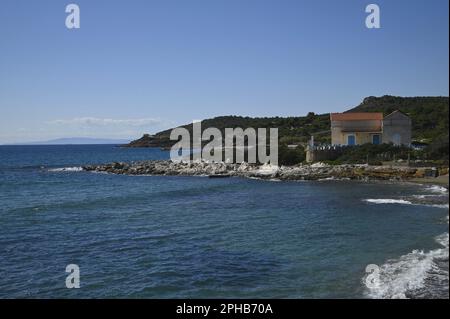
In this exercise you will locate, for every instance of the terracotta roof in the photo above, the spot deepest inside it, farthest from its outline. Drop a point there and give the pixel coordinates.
(356, 116)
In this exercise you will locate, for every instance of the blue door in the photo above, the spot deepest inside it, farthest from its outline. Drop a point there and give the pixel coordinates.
(351, 140)
(376, 139)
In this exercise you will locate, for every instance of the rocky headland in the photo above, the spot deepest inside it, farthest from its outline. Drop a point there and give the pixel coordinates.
(317, 171)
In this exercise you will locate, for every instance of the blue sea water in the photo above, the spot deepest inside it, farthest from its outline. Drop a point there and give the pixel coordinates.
(194, 237)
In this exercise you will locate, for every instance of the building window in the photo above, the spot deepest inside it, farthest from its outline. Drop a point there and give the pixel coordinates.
(376, 139)
(397, 139)
(351, 140)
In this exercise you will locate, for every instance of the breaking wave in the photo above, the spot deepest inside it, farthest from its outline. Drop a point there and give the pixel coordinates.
(418, 274)
(437, 189)
(406, 202)
(388, 201)
(66, 169)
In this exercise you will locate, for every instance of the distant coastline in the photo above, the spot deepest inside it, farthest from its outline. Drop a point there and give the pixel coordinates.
(74, 141)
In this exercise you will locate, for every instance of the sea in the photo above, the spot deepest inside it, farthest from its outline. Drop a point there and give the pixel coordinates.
(196, 237)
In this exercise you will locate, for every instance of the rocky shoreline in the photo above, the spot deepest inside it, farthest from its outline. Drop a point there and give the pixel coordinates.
(317, 171)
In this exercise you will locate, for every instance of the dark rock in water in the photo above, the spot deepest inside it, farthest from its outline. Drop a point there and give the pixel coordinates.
(118, 165)
(219, 175)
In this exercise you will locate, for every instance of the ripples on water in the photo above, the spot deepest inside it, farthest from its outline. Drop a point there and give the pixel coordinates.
(165, 237)
(418, 274)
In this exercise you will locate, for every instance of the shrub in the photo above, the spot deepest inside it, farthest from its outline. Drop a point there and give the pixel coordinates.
(289, 157)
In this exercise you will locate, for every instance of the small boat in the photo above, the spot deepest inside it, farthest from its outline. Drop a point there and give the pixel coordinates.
(219, 175)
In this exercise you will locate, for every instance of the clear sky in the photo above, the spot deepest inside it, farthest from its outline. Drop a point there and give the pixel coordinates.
(140, 66)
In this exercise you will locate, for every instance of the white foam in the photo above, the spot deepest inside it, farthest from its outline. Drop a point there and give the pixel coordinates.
(425, 196)
(408, 273)
(388, 201)
(437, 189)
(403, 202)
(443, 239)
(332, 178)
(66, 169)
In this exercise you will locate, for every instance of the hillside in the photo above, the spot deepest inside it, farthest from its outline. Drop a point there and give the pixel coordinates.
(290, 129)
(429, 116)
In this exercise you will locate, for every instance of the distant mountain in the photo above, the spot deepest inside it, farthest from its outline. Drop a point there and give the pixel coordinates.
(429, 116)
(77, 141)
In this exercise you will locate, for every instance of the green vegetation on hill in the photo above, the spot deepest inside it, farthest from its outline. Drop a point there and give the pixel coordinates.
(429, 114)
(429, 117)
(291, 130)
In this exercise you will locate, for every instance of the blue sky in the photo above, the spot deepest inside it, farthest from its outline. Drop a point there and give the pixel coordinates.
(144, 65)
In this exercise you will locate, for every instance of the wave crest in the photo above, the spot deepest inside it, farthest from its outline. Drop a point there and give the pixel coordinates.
(388, 201)
(66, 169)
(418, 274)
(437, 189)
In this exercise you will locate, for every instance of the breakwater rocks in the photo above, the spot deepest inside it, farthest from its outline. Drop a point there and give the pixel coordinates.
(318, 171)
